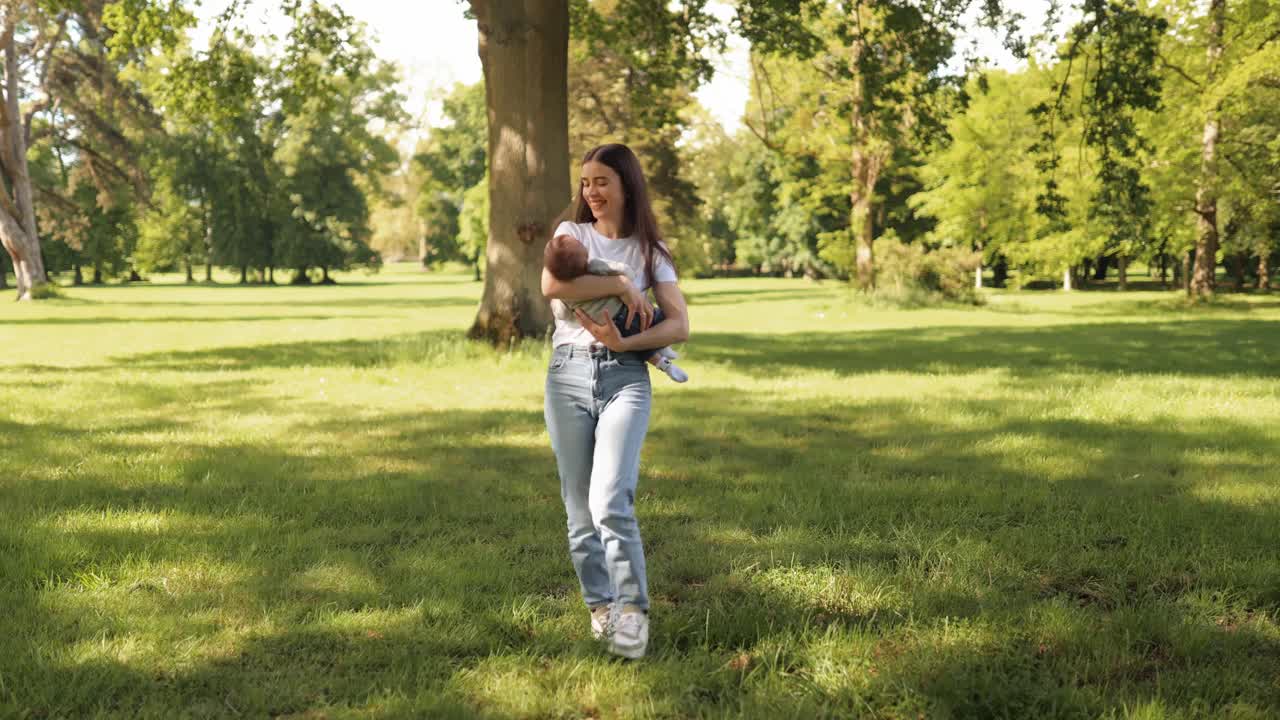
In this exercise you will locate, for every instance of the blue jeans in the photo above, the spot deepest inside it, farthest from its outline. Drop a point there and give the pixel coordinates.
(597, 411)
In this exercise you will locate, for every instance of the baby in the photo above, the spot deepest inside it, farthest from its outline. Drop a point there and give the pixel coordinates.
(567, 259)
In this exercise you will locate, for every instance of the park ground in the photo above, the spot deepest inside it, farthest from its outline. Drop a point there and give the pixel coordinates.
(224, 501)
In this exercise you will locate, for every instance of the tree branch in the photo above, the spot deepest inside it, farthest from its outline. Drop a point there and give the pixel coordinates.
(1273, 36)
(1170, 66)
(45, 66)
(764, 138)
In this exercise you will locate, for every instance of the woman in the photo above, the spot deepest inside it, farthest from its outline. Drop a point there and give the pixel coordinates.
(598, 395)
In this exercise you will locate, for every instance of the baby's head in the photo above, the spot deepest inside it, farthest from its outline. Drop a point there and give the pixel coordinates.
(565, 258)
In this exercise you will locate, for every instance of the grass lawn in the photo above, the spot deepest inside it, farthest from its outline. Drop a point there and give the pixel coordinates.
(320, 502)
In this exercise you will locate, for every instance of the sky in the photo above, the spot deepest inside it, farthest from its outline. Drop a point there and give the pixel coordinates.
(435, 47)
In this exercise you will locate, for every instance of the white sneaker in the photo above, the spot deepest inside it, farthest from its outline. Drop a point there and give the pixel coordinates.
(630, 633)
(672, 370)
(602, 621)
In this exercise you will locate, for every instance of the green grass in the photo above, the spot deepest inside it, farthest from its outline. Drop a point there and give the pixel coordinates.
(320, 502)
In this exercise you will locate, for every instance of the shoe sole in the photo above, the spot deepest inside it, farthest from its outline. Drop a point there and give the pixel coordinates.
(635, 654)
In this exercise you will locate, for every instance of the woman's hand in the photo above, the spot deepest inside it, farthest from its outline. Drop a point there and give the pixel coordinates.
(605, 332)
(637, 305)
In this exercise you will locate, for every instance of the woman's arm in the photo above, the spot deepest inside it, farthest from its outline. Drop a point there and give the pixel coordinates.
(674, 329)
(586, 287)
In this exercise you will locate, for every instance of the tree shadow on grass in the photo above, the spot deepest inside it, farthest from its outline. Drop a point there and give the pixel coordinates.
(409, 348)
(806, 557)
(387, 556)
(1195, 348)
(1091, 586)
(176, 319)
(1216, 348)
(399, 303)
(1122, 306)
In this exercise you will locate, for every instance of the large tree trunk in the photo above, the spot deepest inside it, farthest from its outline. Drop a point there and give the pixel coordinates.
(1122, 271)
(524, 50)
(17, 213)
(1202, 280)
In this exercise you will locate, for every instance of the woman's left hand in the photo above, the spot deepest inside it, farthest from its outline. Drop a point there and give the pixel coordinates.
(605, 332)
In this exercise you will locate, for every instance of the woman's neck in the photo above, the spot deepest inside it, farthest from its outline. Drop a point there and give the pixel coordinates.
(609, 227)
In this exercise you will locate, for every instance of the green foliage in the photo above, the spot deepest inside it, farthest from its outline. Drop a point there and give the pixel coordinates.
(331, 90)
(139, 27)
(855, 105)
(633, 68)
(909, 275)
(454, 162)
(273, 157)
(978, 185)
(473, 224)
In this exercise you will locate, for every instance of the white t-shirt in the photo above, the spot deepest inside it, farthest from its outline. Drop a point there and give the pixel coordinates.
(627, 251)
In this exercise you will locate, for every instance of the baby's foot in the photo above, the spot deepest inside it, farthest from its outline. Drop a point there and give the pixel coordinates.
(673, 370)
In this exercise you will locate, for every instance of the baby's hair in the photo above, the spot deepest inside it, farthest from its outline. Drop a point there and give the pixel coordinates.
(565, 258)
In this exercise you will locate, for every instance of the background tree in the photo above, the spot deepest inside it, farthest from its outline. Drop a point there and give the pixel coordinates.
(980, 184)
(874, 72)
(453, 162)
(331, 87)
(634, 65)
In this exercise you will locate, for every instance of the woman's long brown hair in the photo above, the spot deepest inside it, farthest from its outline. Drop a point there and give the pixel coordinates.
(637, 214)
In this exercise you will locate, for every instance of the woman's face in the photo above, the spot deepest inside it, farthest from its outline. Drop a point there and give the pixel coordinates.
(602, 189)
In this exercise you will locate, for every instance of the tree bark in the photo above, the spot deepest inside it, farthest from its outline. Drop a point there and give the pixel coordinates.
(1236, 266)
(1264, 270)
(1000, 271)
(1122, 272)
(866, 171)
(1188, 259)
(1066, 279)
(17, 212)
(865, 164)
(1202, 281)
(191, 278)
(1100, 270)
(524, 52)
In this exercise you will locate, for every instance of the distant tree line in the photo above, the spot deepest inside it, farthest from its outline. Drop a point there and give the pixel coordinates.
(145, 155)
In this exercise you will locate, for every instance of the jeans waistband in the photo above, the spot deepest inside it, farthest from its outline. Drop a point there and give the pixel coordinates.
(597, 350)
